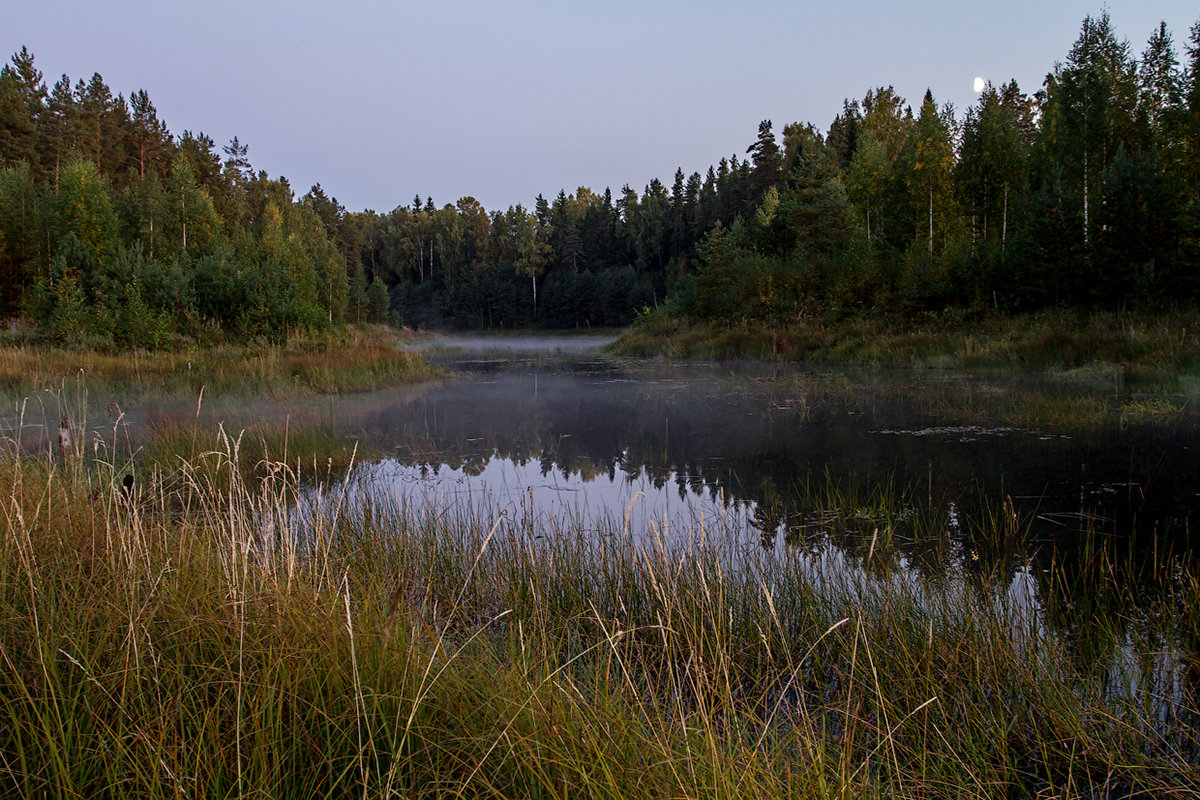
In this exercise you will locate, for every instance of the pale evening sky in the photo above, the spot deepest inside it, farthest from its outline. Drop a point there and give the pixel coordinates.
(380, 100)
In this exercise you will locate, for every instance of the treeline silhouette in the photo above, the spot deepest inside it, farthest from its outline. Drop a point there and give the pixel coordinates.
(1082, 195)
(1085, 194)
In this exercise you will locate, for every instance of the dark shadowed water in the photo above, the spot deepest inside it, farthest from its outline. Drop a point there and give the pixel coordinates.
(770, 455)
(580, 435)
(1073, 497)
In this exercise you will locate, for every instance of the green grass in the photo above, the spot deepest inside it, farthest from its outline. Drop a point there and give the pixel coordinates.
(213, 636)
(357, 361)
(1137, 348)
(314, 451)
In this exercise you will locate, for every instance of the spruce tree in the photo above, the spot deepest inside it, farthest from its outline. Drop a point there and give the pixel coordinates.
(767, 160)
(1160, 85)
(22, 105)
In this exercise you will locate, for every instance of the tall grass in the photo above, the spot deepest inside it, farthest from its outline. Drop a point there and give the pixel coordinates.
(227, 637)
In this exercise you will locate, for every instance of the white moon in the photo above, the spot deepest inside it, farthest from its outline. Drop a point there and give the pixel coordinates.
(979, 84)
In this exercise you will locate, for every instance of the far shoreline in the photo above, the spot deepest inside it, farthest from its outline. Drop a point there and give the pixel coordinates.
(1132, 346)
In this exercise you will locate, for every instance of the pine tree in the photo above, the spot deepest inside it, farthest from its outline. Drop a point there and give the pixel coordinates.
(117, 153)
(151, 140)
(234, 200)
(29, 82)
(238, 159)
(95, 101)
(60, 130)
(200, 152)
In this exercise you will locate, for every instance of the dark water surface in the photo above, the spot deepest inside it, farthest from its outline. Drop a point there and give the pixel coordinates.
(553, 429)
(1070, 498)
(573, 432)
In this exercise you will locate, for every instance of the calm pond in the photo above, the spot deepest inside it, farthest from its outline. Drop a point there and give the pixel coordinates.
(780, 455)
(908, 463)
(1071, 498)
(913, 464)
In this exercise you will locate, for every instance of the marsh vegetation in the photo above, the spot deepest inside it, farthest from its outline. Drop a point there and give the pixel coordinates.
(916, 623)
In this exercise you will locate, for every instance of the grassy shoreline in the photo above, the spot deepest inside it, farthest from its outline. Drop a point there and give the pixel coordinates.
(1136, 346)
(359, 360)
(223, 638)
(265, 393)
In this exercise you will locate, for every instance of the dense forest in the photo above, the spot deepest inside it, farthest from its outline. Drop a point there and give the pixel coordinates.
(114, 232)
(1085, 194)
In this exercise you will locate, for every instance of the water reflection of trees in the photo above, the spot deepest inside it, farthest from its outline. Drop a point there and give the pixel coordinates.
(780, 442)
(893, 478)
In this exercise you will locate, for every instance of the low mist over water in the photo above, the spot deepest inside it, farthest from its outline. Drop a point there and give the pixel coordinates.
(524, 345)
(573, 434)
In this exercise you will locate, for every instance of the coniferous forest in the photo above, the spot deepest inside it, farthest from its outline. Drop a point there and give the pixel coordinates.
(1084, 194)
